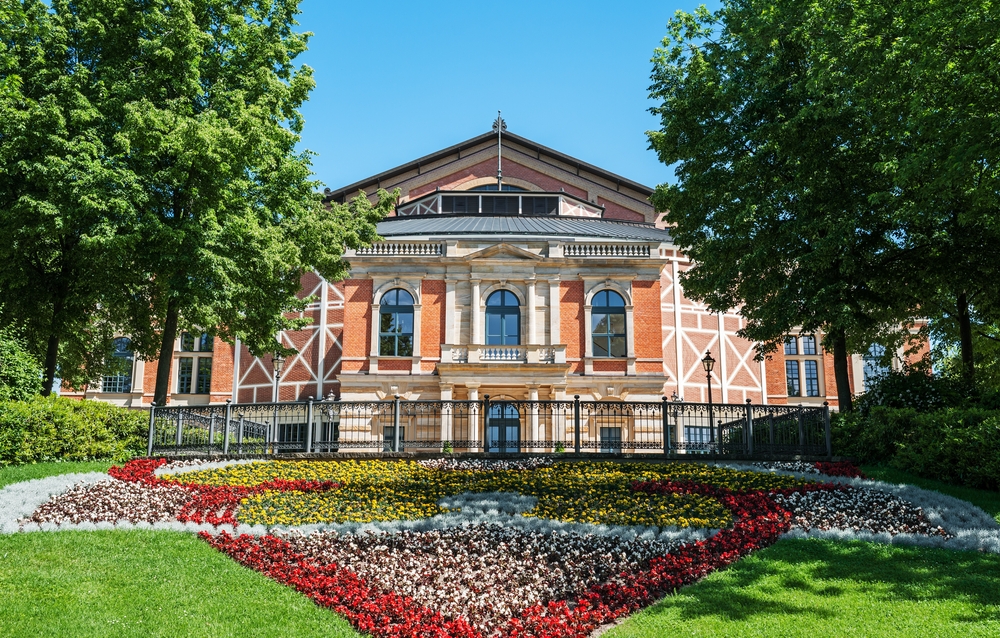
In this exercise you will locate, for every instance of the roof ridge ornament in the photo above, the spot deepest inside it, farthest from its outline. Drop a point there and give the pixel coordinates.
(499, 126)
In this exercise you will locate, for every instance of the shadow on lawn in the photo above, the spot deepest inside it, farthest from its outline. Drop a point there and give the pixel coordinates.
(783, 579)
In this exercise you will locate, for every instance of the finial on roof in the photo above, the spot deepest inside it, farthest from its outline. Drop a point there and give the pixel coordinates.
(499, 126)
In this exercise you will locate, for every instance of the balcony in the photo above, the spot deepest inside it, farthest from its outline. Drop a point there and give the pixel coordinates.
(527, 203)
(451, 353)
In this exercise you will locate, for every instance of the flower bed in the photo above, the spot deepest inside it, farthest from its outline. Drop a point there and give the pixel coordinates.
(493, 548)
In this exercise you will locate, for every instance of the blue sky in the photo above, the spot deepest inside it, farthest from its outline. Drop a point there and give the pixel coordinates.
(398, 80)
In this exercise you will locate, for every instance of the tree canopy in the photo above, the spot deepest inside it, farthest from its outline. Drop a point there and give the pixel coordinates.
(184, 158)
(801, 188)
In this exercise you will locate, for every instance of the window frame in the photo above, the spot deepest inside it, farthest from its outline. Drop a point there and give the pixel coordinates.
(608, 310)
(197, 348)
(394, 311)
(503, 311)
(121, 383)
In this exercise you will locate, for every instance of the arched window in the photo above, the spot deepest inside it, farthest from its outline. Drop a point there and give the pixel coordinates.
(503, 319)
(608, 329)
(121, 378)
(395, 329)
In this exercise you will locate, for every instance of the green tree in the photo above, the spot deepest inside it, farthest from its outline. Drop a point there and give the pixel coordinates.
(773, 200)
(229, 217)
(165, 190)
(62, 207)
(942, 61)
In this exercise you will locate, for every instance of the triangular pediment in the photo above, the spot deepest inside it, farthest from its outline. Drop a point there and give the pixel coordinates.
(503, 251)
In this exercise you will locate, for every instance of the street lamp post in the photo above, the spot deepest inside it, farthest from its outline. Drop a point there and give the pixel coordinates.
(277, 361)
(708, 363)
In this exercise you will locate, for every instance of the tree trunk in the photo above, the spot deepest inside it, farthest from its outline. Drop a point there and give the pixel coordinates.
(965, 337)
(841, 370)
(166, 353)
(52, 348)
(51, 358)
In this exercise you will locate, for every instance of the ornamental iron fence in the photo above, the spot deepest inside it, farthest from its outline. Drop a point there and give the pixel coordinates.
(490, 426)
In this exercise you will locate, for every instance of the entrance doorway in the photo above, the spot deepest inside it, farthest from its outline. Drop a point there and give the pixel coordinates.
(504, 431)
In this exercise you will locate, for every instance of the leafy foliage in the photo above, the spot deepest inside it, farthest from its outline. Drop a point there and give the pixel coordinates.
(954, 445)
(47, 429)
(20, 374)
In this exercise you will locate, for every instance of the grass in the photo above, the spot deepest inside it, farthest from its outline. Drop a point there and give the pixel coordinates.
(172, 584)
(17, 473)
(987, 501)
(821, 588)
(143, 583)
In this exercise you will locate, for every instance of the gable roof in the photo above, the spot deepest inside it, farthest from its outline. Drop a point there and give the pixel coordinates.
(506, 226)
(385, 178)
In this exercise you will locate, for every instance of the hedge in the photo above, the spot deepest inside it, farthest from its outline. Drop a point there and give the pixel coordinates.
(50, 429)
(955, 445)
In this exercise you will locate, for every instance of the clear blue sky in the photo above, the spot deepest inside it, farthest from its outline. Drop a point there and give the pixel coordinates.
(398, 80)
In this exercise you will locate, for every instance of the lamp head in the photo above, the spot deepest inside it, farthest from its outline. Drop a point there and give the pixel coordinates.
(708, 362)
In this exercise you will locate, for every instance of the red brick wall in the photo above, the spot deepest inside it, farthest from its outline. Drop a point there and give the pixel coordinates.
(774, 367)
(431, 323)
(571, 320)
(357, 324)
(396, 365)
(488, 168)
(222, 371)
(610, 365)
(615, 211)
(647, 330)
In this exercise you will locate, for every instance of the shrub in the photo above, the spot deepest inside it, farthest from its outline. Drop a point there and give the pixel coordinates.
(960, 446)
(873, 437)
(20, 374)
(48, 429)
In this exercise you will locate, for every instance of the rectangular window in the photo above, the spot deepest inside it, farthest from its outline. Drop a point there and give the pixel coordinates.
(611, 439)
(206, 343)
(792, 378)
(812, 378)
(185, 365)
(389, 435)
(808, 344)
(187, 342)
(204, 375)
(791, 346)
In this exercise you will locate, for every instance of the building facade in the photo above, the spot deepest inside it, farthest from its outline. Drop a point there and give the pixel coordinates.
(553, 282)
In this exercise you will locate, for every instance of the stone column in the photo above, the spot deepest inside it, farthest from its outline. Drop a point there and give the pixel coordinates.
(533, 397)
(532, 340)
(447, 433)
(474, 302)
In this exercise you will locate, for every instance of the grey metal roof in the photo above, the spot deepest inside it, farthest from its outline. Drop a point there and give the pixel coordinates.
(568, 227)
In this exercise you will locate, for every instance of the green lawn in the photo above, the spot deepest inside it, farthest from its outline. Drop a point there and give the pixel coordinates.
(142, 583)
(821, 588)
(988, 501)
(17, 473)
(173, 584)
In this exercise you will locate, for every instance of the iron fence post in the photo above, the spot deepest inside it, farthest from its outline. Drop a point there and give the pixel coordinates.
(395, 423)
(239, 435)
(225, 432)
(826, 423)
(309, 426)
(665, 418)
(770, 429)
(802, 431)
(152, 428)
(486, 423)
(211, 433)
(178, 439)
(750, 427)
(576, 423)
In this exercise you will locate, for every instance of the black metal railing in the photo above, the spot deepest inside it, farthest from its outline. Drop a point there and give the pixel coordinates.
(491, 426)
